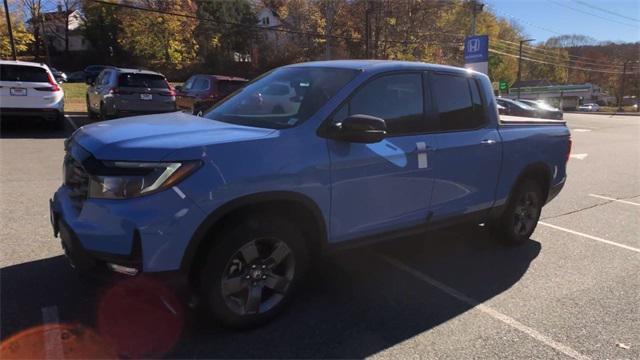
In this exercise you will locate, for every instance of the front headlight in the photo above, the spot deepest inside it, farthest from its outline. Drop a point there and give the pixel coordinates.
(122, 180)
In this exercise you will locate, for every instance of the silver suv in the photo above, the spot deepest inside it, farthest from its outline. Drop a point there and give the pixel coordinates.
(118, 92)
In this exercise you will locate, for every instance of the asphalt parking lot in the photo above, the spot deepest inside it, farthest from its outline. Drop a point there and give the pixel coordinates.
(572, 291)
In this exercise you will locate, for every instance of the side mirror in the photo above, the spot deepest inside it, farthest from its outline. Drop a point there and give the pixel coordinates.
(360, 129)
(90, 81)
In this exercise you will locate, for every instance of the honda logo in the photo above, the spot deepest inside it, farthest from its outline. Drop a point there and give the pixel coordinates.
(474, 45)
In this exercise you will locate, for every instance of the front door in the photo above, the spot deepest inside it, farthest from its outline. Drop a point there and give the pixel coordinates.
(383, 186)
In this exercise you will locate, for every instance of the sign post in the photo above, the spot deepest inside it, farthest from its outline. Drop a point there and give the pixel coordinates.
(476, 53)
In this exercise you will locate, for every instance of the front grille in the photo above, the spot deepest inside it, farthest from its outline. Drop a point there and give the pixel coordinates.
(76, 179)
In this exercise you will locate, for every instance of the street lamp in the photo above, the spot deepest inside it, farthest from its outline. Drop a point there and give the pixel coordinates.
(624, 75)
(520, 63)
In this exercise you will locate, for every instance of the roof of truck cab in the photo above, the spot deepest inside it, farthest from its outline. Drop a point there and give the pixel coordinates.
(379, 65)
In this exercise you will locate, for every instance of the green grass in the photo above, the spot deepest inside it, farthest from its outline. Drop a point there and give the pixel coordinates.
(74, 97)
(615, 108)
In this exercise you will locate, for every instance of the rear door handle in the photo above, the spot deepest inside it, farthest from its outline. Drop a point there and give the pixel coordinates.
(488, 142)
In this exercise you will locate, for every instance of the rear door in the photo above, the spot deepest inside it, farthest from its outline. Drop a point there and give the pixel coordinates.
(24, 86)
(468, 154)
(383, 186)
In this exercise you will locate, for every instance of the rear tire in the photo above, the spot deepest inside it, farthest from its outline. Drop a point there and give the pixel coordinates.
(520, 217)
(90, 113)
(252, 270)
(58, 122)
(103, 113)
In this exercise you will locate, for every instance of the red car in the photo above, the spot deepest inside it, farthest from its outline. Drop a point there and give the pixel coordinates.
(200, 92)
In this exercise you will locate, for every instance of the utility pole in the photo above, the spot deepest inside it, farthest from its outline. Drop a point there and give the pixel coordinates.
(520, 64)
(13, 45)
(476, 8)
(624, 75)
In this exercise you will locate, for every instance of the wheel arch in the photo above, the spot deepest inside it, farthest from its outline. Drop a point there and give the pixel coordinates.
(538, 172)
(305, 211)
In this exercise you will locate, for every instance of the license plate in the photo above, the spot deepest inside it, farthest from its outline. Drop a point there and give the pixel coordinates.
(18, 92)
(146, 96)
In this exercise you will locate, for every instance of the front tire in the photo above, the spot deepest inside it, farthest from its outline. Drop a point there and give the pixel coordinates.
(252, 270)
(520, 217)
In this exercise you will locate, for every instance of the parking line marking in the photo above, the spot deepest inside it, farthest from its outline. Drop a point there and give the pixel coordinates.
(75, 127)
(614, 199)
(590, 236)
(52, 337)
(486, 309)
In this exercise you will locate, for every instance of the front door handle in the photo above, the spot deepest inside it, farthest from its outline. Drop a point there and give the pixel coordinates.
(487, 142)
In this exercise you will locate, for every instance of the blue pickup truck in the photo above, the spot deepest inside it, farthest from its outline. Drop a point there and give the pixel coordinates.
(304, 158)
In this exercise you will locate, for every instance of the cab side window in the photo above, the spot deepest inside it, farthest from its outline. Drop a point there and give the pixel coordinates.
(106, 76)
(398, 99)
(459, 106)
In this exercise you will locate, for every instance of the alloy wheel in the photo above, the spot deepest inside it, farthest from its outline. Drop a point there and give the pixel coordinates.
(257, 276)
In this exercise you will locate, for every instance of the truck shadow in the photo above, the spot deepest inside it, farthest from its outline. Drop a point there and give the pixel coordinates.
(354, 303)
(22, 127)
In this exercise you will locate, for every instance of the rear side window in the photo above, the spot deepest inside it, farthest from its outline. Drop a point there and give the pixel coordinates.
(23, 73)
(459, 106)
(229, 86)
(201, 84)
(142, 80)
(398, 99)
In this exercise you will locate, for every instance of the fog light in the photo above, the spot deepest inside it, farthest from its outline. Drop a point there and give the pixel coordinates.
(122, 269)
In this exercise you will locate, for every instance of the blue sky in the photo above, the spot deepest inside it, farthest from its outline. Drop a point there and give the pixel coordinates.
(604, 20)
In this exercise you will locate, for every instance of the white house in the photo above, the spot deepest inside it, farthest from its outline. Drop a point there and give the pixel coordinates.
(53, 26)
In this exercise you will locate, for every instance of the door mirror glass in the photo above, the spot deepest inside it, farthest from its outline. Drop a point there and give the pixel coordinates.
(360, 129)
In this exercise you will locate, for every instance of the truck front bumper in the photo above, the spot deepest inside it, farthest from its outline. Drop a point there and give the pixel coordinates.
(143, 235)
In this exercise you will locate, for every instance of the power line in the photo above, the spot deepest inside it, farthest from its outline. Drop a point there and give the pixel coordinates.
(608, 11)
(589, 13)
(571, 56)
(552, 55)
(513, 17)
(554, 64)
(276, 29)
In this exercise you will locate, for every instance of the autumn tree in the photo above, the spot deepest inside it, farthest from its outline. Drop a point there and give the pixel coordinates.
(21, 36)
(159, 36)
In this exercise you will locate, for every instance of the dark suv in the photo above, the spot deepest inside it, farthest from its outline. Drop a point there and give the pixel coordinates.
(123, 92)
(200, 92)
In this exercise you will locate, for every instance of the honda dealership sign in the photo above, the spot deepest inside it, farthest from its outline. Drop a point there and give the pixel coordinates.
(476, 53)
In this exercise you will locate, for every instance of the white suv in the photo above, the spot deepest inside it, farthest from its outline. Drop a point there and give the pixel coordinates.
(29, 89)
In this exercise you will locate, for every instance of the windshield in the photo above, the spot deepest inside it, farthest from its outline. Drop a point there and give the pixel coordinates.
(523, 105)
(282, 98)
(23, 73)
(142, 80)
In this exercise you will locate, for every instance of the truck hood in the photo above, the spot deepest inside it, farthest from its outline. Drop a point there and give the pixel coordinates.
(154, 137)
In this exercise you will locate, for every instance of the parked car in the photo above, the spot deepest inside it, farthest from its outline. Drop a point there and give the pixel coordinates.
(517, 108)
(58, 75)
(501, 109)
(76, 77)
(545, 110)
(200, 92)
(91, 72)
(121, 92)
(236, 203)
(589, 107)
(29, 89)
